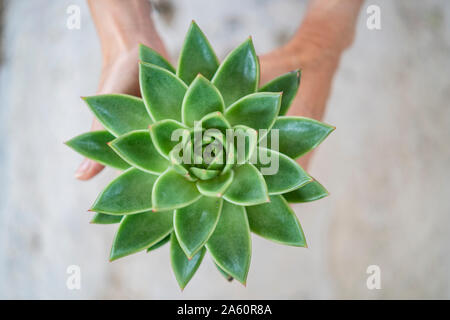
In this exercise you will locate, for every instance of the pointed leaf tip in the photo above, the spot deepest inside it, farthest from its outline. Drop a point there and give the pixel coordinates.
(161, 91)
(276, 221)
(256, 110)
(230, 244)
(183, 267)
(197, 56)
(288, 175)
(310, 192)
(119, 113)
(137, 148)
(93, 146)
(195, 223)
(171, 183)
(149, 55)
(129, 193)
(238, 75)
(140, 231)
(248, 186)
(299, 135)
(201, 99)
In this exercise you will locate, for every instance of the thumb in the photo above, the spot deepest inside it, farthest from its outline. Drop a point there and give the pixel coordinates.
(88, 169)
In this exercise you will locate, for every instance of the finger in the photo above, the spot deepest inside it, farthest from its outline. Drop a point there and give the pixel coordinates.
(88, 169)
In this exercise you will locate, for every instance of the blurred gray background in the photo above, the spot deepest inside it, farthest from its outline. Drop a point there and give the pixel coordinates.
(386, 165)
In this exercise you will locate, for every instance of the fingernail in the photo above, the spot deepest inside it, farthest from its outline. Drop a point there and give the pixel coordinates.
(84, 166)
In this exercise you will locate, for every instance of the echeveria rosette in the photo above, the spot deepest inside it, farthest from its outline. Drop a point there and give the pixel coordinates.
(204, 206)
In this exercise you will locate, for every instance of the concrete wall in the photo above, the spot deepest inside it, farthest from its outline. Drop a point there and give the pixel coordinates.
(386, 165)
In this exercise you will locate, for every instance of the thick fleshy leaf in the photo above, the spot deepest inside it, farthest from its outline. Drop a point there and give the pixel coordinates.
(281, 173)
(245, 140)
(195, 223)
(172, 191)
(197, 56)
(248, 186)
(183, 268)
(223, 273)
(159, 244)
(119, 113)
(178, 165)
(288, 85)
(149, 55)
(230, 243)
(276, 221)
(140, 231)
(310, 192)
(94, 145)
(217, 186)
(257, 111)
(127, 194)
(102, 218)
(238, 75)
(162, 92)
(298, 135)
(137, 149)
(215, 120)
(204, 174)
(164, 135)
(200, 99)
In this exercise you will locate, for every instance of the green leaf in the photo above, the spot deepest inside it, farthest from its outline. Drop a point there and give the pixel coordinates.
(204, 174)
(159, 244)
(127, 194)
(178, 166)
(310, 192)
(257, 111)
(137, 148)
(197, 56)
(248, 187)
(246, 140)
(287, 84)
(215, 120)
(94, 145)
(224, 274)
(162, 92)
(172, 191)
(119, 113)
(230, 243)
(238, 75)
(195, 223)
(201, 99)
(149, 55)
(140, 231)
(298, 135)
(282, 174)
(217, 186)
(161, 133)
(183, 268)
(276, 221)
(101, 218)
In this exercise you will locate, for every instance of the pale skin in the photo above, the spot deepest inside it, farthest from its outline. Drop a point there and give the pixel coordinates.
(326, 31)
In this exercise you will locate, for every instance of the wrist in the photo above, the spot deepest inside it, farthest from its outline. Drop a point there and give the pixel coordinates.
(308, 52)
(122, 25)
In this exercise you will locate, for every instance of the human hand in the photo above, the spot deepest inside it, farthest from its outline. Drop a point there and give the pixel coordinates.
(121, 30)
(327, 30)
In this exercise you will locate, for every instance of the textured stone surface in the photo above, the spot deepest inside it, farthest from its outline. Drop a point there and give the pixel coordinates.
(386, 165)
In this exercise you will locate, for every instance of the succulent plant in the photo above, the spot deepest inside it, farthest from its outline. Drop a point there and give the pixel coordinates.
(203, 191)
